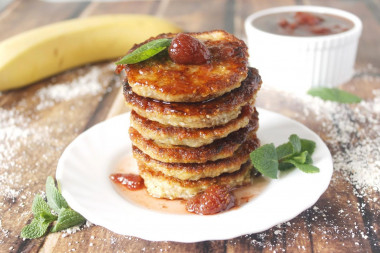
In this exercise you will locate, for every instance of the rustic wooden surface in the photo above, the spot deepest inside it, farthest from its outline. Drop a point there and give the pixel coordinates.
(49, 130)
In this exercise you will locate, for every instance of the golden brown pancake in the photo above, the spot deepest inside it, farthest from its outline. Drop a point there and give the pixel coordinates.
(161, 78)
(192, 137)
(160, 186)
(219, 149)
(210, 113)
(195, 171)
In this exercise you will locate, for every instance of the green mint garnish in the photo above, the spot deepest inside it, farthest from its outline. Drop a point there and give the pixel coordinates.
(335, 95)
(268, 159)
(43, 216)
(296, 143)
(145, 51)
(265, 160)
(35, 229)
(68, 218)
(39, 205)
(307, 145)
(54, 198)
(307, 168)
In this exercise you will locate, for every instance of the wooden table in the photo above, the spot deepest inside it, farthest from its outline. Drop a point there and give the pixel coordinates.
(37, 124)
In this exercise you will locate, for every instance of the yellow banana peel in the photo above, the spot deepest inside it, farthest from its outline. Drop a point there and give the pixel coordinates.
(48, 50)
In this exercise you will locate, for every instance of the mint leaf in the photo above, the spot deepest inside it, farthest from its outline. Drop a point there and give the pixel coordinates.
(295, 153)
(36, 229)
(43, 216)
(285, 166)
(299, 158)
(39, 205)
(333, 94)
(296, 143)
(68, 218)
(46, 216)
(145, 51)
(307, 168)
(54, 198)
(308, 145)
(284, 150)
(265, 160)
(309, 160)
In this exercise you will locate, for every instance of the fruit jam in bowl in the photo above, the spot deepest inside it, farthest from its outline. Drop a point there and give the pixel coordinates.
(299, 47)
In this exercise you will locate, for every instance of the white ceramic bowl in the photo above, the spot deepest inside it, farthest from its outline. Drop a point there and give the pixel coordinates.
(299, 63)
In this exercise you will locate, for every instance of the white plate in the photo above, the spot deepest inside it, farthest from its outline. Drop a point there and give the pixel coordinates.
(86, 164)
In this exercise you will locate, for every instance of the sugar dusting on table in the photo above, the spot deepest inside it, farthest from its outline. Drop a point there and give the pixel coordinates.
(353, 137)
(351, 131)
(86, 85)
(19, 135)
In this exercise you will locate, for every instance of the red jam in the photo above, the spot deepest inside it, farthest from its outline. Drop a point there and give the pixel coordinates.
(130, 181)
(185, 49)
(302, 24)
(119, 68)
(214, 199)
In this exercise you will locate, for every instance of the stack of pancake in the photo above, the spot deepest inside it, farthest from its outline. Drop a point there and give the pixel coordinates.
(193, 126)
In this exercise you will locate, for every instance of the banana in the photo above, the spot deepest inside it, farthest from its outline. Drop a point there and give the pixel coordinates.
(48, 50)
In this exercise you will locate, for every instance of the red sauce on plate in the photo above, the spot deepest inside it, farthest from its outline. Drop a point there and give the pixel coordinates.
(128, 165)
(303, 24)
(130, 181)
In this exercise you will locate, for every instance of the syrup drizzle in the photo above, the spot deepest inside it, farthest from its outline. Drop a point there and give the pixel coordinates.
(141, 197)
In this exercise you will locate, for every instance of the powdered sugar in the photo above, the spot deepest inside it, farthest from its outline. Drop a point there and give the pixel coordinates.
(33, 135)
(18, 134)
(354, 136)
(73, 230)
(352, 133)
(82, 86)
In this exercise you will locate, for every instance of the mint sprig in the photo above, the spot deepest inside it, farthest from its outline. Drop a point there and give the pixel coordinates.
(265, 160)
(145, 51)
(68, 218)
(54, 197)
(268, 159)
(39, 205)
(37, 228)
(333, 94)
(44, 216)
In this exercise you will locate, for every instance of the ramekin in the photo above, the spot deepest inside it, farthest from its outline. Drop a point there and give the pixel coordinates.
(300, 63)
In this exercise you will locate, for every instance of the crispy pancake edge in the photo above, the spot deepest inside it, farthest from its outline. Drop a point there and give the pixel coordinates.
(219, 149)
(195, 171)
(192, 137)
(160, 186)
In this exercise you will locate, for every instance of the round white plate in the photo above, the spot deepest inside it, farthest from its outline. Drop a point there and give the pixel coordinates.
(86, 164)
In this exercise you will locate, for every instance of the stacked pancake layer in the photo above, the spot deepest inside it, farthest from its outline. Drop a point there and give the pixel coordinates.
(193, 126)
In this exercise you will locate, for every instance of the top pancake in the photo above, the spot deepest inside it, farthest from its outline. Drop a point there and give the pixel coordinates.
(161, 78)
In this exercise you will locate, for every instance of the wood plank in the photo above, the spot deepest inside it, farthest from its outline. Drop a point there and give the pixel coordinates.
(29, 14)
(130, 7)
(336, 222)
(198, 15)
(49, 121)
(324, 228)
(334, 225)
